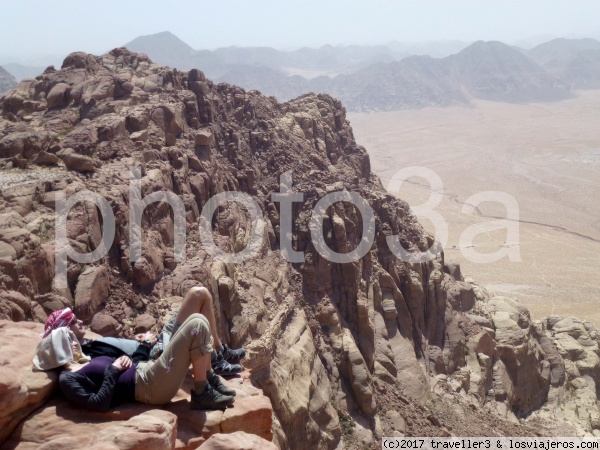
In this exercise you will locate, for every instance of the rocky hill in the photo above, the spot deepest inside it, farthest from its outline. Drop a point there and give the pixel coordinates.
(495, 71)
(372, 78)
(414, 82)
(168, 49)
(486, 70)
(339, 353)
(173, 52)
(7, 81)
(576, 62)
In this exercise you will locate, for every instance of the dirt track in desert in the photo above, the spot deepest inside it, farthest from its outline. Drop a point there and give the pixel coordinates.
(546, 156)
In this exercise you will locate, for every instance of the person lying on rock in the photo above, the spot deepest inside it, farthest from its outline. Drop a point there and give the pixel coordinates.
(106, 382)
(198, 300)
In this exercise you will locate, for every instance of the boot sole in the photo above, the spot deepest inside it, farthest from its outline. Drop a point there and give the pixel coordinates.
(212, 408)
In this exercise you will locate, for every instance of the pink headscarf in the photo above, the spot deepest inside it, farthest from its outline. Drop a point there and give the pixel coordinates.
(60, 318)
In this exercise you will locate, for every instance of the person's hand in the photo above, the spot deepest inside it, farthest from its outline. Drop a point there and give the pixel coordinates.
(122, 363)
(147, 336)
(76, 351)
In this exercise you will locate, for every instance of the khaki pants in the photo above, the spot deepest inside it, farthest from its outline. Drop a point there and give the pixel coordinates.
(157, 382)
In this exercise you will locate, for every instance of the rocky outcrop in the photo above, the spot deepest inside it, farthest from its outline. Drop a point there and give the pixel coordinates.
(546, 371)
(236, 441)
(334, 346)
(575, 372)
(141, 426)
(91, 292)
(22, 390)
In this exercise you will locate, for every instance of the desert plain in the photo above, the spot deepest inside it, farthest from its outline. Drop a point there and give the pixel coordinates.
(545, 156)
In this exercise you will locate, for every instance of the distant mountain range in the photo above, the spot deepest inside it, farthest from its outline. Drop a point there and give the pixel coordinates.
(7, 81)
(486, 70)
(576, 62)
(20, 71)
(368, 78)
(392, 76)
(166, 48)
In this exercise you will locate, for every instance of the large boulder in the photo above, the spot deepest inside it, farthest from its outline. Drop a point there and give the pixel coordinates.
(251, 414)
(237, 441)
(170, 120)
(58, 96)
(22, 390)
(149, 268)
(80, 163)
(26, 268)
(27, 144)
(105, 325)
(92, 291)
(153, 429)
(461, 296)
(144, 322)
(59, 425)
(14, 306)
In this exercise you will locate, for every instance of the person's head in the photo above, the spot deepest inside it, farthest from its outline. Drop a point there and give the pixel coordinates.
(64, 318)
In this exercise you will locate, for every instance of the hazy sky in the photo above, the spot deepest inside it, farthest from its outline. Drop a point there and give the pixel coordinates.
(58, 27)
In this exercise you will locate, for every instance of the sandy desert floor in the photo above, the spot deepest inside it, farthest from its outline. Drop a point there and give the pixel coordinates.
(546, 156)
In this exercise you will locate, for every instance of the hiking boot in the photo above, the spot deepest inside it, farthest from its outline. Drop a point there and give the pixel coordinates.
(222, 367)
(231, 355)
(210, 399)
(218, 385)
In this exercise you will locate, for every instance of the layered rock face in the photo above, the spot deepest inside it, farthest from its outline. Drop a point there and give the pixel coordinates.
(340, 349)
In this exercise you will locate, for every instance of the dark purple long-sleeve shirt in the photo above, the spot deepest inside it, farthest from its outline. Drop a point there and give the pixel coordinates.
(99, 385)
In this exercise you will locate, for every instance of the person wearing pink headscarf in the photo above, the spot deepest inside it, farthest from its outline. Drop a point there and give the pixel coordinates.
(61, 318)
(60, 343)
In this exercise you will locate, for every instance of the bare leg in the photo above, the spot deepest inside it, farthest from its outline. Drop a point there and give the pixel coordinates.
(200, 366)
(199, 300)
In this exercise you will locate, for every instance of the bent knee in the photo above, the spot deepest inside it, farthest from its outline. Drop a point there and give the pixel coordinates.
(198, 320)
(199, 292)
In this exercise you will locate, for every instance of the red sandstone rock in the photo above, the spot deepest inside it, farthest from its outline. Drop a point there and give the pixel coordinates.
(92, 291)
(81, 163)
(58, 95)
(104, 325)
(250, 414)
(144, 322)
(137, 425)
(21, 389)
(237, 441)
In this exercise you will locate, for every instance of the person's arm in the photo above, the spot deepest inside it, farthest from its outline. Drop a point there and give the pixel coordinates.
(95, 349)
(142, 353)
(81, 391)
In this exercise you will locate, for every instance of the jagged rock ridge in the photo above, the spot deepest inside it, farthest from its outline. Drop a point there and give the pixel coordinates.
(349, 351)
